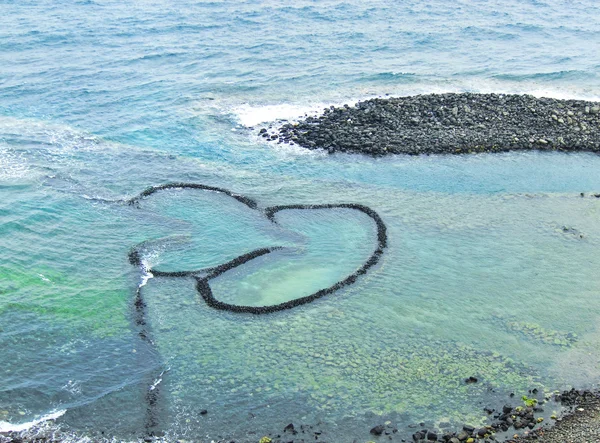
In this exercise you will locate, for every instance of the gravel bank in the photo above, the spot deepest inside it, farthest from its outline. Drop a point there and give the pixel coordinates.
(580, 425)
(448, 124)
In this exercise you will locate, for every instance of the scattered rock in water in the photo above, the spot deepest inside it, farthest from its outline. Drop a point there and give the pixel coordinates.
(572, 231)
(290, 429)
(471, 380)
(377, 430)
(449, 124)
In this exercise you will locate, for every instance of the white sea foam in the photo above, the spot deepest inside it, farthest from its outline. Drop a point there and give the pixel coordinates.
(36, 132)
(12, 164)
(10, 427)
(250, 115)
(498, 86)
(158, 380)
(146, 274)
(44, 278)
(98, 198)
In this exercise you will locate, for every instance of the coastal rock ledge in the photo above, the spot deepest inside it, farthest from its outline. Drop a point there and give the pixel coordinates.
(448, 124)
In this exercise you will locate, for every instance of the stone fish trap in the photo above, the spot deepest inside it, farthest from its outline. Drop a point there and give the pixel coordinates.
(202, 282)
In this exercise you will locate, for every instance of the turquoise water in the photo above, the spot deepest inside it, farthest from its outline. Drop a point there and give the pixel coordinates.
(491, 264)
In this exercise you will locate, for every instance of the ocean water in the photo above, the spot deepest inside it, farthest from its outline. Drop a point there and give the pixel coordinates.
(491, 268)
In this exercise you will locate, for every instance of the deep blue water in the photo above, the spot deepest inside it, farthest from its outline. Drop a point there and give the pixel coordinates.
(101, 99)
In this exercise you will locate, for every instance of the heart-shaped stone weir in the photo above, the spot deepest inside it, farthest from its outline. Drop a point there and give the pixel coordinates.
(203, 276)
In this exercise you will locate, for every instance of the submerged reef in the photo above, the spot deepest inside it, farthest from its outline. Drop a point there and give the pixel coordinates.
(448, 124)
(535, 332)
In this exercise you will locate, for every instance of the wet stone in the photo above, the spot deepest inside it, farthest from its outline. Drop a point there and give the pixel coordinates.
(377, 430)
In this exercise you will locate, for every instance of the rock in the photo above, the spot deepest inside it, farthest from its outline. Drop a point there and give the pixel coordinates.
(506, 409)
(462, 435)
(471, 380)
(290, 428)
(203, 412)
(417, 436)
(432, 436)
(377, 430)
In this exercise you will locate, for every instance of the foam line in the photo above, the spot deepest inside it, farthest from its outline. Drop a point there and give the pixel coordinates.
(9, 427)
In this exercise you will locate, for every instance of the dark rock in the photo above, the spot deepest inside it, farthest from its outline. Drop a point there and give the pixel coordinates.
(377, 430)
(417, 436)
(203, 412)
(290, 428)
(471, 380)
(507, 409)
(432, 436)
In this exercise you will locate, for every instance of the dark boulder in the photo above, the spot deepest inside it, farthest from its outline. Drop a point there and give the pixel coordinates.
(377, 430)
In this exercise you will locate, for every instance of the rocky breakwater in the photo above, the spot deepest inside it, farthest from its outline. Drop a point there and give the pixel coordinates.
(448, 124)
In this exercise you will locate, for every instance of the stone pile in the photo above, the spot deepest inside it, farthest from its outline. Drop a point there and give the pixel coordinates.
(448, 124)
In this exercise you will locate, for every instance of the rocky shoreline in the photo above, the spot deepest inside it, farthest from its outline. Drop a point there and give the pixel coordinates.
(520, 423)
(453, 123)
